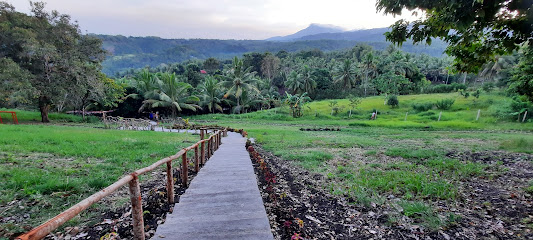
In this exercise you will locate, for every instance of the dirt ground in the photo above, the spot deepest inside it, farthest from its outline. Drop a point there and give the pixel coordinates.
(299, 205)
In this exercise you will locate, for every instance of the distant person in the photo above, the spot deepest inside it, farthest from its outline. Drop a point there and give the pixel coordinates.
(373, 117)
(157, 116)
(151, 116)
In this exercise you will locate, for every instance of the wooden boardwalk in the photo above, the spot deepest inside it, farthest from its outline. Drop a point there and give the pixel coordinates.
(222, 201)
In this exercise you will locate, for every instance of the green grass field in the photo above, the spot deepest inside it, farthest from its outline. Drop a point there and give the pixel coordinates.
(462, 115)
(369, 160)
(46, 169)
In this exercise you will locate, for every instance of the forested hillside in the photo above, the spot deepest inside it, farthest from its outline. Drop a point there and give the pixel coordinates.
(138, 52)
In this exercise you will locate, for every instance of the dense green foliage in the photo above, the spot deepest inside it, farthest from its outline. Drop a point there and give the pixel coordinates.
(137, 52)
(477, 31)
(46, 60)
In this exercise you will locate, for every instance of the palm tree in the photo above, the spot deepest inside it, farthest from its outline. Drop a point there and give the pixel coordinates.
(301, 82)
(345, 74)
(239, 80)
(171, 93)
(368, 65)
(294, 83)
(211, 94)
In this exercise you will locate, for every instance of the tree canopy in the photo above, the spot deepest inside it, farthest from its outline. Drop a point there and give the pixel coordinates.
(476, 30)
(59, 63)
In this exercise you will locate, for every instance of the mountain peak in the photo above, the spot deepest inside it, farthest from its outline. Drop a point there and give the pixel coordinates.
(312, 29)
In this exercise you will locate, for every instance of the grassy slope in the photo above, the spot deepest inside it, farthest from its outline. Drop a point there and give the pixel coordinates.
(52, 167)
(461, 116)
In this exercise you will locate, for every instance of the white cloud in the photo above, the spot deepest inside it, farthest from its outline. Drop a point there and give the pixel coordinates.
(224, 19)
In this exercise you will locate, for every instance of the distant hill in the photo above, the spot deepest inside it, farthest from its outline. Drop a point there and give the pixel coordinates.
(313, 29)
(138, 52)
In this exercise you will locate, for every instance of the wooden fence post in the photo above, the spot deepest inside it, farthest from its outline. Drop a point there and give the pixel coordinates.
(202, 154)
(170, 183)
(201, 134)
(184, 169)
(136, 208)
(196, 163)
(208, 148)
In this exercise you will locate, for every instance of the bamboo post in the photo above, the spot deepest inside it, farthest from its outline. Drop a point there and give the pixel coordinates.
(196, 163)
(201, 134)
(184, 169)
(136, 209)
(202, 153)
(440, 115)
(524, 118)
(170, 183)
(405, 119)
(478, 112)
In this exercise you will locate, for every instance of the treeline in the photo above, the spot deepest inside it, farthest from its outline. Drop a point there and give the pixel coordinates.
(139, 52)
(265, 80)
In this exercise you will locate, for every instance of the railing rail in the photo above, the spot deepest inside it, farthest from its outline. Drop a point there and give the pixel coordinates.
(132, 180)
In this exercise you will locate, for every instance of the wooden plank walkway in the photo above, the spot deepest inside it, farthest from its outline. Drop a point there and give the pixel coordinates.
(222, 201)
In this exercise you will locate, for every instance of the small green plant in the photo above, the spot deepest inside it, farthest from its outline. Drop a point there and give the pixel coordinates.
(392, 101)
(529, 189)
(444, 104)
(464, 93)
(476, 93)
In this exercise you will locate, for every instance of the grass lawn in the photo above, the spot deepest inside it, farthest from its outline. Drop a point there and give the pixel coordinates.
(367, 161)
(45, 169)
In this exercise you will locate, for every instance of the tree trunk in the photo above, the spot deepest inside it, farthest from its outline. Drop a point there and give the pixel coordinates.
(44, 107)
(447, 76)
(464, 79)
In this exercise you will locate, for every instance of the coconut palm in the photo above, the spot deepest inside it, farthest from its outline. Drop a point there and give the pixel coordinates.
(170, 93)
(212, 95)
(345, 74)
(301, 82)
(240, 79)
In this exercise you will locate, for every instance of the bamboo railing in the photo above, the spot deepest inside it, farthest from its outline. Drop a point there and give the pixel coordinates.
(132, 179)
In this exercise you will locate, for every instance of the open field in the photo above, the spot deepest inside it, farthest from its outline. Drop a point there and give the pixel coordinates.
(46, 169)
(495, 109)
(438, 175)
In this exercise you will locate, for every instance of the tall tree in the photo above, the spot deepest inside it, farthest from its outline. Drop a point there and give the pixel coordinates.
(368, 66)
(522, 79)
(270, 66)
(344, 74)
(476, 30)
(211, 95)
(239, 79)
(51, 48)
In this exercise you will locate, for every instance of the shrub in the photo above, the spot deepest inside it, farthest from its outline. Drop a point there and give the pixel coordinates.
(445, 88)
(487, 87)
(445, 104)
(393, 101)
(422, 107)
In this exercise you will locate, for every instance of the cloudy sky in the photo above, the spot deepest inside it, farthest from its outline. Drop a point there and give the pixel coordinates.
(221, 19)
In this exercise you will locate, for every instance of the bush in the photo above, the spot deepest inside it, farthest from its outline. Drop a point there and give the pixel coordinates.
(422, 107)
(445, 88)
(393, 101)
(444, 104)
(487, 87)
